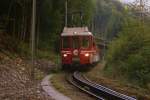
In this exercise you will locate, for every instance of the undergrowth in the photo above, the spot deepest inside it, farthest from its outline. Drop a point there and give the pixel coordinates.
(128, 55)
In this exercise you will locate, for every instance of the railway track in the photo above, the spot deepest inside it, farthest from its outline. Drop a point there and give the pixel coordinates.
(98, 91)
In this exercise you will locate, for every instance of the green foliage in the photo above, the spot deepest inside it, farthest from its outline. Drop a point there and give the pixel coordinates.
(47, 54)
(128, 55)
(108, 18)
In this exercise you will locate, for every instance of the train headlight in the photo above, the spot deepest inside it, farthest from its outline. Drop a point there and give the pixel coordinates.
(87, 54)
(65, 55)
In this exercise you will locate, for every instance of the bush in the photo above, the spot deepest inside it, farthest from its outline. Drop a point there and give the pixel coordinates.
(128, 55)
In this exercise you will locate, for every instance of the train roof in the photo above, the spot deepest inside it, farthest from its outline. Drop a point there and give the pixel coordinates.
(76, 31)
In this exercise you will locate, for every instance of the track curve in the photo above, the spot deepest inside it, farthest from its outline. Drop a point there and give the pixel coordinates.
(98, 91)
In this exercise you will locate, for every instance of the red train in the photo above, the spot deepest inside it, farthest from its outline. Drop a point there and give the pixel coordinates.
(78, 47)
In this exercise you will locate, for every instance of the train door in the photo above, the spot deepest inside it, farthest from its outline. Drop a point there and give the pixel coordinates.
(75, 45)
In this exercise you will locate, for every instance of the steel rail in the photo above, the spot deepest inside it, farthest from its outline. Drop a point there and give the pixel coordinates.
(70, 80)
(96, 90)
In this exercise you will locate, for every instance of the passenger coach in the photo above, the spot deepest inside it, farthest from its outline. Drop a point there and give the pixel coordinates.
(78, 47)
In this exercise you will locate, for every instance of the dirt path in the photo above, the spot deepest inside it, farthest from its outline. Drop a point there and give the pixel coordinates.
(51, 91)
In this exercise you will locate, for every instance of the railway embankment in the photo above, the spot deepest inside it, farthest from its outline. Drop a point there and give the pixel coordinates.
(97, 75)
(120, 85)
(60, 83)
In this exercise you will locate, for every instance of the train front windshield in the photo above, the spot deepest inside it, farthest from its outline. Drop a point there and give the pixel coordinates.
(66, 42)
(85, 43)
(76, 42)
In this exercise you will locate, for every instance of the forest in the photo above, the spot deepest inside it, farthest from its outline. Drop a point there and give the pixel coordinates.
(50, 18)
(125, 29)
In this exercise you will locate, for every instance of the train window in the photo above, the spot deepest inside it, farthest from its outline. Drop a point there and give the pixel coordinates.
(66, 42)
(85, 42)
(75, 42)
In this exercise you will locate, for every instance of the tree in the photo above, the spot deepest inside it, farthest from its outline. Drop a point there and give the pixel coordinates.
(108, 18)
(128, 55)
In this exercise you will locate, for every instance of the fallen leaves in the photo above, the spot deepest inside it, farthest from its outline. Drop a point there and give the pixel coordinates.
(15, 82)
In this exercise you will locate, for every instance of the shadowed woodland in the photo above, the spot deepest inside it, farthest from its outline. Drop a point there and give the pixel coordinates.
(125, 27)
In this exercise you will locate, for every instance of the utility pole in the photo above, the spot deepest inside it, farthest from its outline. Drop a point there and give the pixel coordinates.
(66, 15)
(33, 24)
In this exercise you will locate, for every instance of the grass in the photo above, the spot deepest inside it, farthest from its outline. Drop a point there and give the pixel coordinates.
(39, 75)
(59, 82)
(49, 54)
(46, 53)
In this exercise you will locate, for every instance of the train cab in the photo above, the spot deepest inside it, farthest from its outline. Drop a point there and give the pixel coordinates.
(78, 47)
